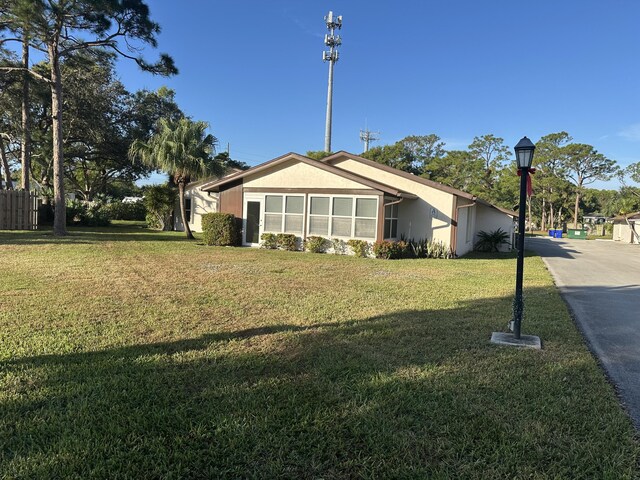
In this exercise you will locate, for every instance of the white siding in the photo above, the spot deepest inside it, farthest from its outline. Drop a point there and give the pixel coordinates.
(201, 203)
(489, 219)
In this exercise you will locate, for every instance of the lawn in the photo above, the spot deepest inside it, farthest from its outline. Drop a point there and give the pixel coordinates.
(131, 354)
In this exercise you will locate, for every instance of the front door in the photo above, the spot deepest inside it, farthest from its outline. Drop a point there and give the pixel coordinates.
(253, 221)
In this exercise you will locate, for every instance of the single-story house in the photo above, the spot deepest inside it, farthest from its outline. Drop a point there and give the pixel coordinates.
(345, 196)
(626, 232)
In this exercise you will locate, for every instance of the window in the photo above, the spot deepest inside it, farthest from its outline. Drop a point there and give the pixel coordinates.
(283, 214)
(343, 217)
(391, 221)
(319, 216)
(365, 224)
(187, 208)
(469, 225)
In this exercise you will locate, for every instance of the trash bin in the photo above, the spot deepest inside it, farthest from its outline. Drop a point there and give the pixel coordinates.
(552, 233)
(557, 234)
(577, 233)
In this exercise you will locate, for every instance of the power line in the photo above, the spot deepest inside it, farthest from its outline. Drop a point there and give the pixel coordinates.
(333, 42)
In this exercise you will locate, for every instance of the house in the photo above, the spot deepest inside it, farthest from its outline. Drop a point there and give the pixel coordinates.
(345, 196)
(627, 229)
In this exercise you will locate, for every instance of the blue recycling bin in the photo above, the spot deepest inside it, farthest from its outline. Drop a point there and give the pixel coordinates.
(552, 233)
(558, 234)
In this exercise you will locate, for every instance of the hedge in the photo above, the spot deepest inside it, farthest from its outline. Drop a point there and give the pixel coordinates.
(219, 229)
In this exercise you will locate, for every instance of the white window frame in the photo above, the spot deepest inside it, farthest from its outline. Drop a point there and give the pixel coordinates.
(283, 212)
(353, 216)
(391, 218)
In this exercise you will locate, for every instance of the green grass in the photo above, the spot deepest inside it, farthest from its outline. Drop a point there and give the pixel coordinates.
(131, 354)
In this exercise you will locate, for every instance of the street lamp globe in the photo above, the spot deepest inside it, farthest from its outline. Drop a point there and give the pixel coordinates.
(524, 152)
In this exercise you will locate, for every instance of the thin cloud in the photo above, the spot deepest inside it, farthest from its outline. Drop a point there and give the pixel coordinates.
(632, 132)
(302, 26)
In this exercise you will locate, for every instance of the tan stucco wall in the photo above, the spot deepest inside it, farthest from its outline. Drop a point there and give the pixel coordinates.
(295, 174)
(466, 237)
(622, 232)
(201, 203)
(428, 216)
(489, 219)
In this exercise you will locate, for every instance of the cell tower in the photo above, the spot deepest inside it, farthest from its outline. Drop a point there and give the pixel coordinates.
(332, 41)
(367, 136)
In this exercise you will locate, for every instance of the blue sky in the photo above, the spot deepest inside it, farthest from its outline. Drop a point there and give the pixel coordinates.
(254, 71)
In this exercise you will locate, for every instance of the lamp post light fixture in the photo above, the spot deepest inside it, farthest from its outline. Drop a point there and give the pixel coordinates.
(524, 157)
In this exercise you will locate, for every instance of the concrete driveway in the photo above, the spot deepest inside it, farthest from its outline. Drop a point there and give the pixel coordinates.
(600, 280)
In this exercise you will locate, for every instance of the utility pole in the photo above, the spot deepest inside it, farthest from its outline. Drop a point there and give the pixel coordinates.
(333, 42)
(368, 136)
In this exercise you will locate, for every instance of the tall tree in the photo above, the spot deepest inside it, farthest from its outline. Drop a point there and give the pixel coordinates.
(494, 155)
(412, 154)
(550, 175)
(57, 28)
(184, 150)
(584, 165)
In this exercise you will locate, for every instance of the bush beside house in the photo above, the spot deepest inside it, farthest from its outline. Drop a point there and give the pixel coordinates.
(219, 229)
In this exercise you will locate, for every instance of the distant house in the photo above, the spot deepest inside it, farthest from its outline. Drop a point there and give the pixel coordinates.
(345, 196)
(626, 232)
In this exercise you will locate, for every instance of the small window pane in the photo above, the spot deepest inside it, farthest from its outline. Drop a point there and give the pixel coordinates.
(394, 229)
(341, 227)
(343, 206)
(394, 210)
(293, 223)
(273, 204)
(319, 225)
(387, 211)
(294, 205)
(319, 206)
(365, 228)
(273, 223)
(366, 207)
(387, 228)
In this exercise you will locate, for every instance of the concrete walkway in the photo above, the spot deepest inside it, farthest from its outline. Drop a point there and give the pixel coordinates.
(600, 280)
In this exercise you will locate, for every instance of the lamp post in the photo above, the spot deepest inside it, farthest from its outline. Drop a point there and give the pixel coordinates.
(524, 156)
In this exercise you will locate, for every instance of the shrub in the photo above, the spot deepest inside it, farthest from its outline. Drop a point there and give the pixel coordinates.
(287, 241)
(316, 244)
(490, 242)
(117, 210)
(339, 247)
(219, 229)
(88, 214)
(360, 247)
(269, 241)
(160, 201)
(391, 250)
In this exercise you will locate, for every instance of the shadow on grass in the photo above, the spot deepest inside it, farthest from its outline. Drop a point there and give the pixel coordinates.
(89, 235)
(409, 394)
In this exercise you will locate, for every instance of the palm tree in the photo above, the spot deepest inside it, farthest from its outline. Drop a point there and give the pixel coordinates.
(184, 150)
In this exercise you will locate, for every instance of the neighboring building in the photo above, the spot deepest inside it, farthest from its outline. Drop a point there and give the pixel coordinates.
(345, 196)
(197, 203)
(626, 232)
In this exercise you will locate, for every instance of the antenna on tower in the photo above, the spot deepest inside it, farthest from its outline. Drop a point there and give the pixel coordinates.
(332, 41)
(367, 136)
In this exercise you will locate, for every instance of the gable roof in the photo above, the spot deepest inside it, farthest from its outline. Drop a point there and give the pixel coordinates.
(415, 178)
(216, 184)
(621, 218)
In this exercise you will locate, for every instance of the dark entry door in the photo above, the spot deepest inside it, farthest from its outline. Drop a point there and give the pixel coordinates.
(252, 234)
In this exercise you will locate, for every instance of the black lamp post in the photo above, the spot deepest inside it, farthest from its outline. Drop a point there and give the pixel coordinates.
(524, 156)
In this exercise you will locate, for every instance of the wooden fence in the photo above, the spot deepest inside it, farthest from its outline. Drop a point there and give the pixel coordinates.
(18, 210)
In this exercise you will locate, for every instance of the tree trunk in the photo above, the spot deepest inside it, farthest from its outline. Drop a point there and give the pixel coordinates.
(530, 222)
(183, 211)
(5, 166)
(633, 230)
(60, 215)
(552, 220)
(543, 215)
(25, 155)
(575, 211)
